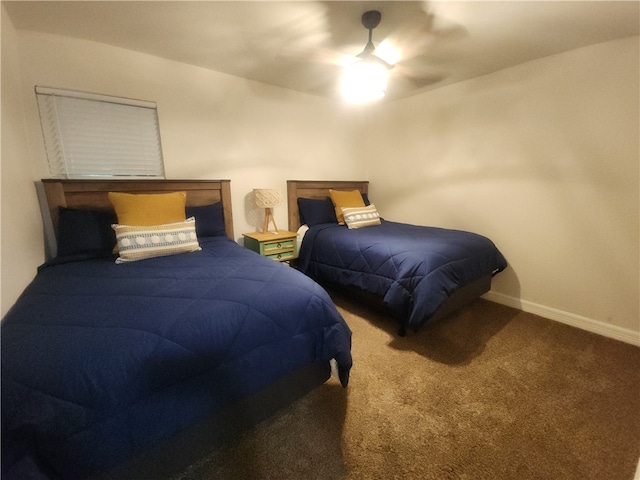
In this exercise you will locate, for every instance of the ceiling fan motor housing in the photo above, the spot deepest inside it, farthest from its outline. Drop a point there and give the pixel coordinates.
(371, 19)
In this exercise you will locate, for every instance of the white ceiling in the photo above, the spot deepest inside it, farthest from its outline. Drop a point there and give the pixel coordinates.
(299, 44)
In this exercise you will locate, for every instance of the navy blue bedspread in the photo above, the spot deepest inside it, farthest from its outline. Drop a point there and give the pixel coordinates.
(101, 360)
(413, 269)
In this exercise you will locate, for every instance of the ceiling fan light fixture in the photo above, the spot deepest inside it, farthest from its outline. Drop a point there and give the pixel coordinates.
(364, 81)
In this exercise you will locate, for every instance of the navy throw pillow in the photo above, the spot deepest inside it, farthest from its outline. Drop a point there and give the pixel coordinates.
(314, 211)
(85, 231)
(209, 220)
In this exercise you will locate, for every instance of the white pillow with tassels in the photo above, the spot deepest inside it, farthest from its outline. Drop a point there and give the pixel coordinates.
(140, 242)
(359, 217)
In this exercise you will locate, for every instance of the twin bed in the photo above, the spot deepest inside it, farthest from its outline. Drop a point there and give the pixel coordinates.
(102, 362)
(418, 274)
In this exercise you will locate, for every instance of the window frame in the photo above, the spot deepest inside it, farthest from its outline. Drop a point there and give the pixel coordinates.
(89, 135)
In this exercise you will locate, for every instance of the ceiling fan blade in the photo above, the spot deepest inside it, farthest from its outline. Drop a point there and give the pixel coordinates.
(292, 28)
(400, 85)
(419, 78)
(320, 55)
(421, 35)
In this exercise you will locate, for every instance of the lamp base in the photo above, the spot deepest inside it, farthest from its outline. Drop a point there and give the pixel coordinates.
(268, 218)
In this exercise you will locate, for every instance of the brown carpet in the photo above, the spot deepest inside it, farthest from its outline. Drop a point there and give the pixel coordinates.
(490, 393)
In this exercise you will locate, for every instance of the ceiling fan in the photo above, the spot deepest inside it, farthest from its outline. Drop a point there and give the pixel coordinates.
(365, 77)
(405, 49)
(370, 20)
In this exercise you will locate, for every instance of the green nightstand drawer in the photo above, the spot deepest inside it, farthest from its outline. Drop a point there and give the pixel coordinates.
(272, 247)
(282, 256)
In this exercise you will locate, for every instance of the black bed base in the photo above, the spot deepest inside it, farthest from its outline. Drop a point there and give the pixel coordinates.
(456, 301)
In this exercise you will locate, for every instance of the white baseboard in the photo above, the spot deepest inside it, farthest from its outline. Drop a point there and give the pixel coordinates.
(578, 321)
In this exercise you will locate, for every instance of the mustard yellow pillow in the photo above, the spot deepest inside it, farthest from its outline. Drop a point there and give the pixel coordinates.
(344, 199)
(145, 209)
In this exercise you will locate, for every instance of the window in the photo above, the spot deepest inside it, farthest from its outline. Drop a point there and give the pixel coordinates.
(89, 135)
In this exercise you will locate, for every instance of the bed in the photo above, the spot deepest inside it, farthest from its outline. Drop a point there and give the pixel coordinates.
(105, 362)
(417, 273)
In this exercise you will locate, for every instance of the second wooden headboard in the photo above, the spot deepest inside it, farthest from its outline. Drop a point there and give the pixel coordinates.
(317, 189)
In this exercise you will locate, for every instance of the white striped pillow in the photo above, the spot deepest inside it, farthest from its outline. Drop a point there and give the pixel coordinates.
(358, 217)
(140, 242)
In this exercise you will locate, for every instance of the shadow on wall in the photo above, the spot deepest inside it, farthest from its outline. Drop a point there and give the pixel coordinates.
(507, 284)
(252, 213)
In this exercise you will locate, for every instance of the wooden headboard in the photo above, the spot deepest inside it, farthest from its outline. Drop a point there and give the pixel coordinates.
(318, 189)
(93, 194)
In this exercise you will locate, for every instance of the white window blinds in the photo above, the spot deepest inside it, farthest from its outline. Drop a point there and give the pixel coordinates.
(89, 135)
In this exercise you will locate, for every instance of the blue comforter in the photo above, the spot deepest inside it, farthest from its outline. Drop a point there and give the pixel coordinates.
(101, 360)
(413, 269)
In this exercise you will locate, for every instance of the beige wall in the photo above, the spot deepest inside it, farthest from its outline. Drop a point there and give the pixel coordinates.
(542, 158)
(21, 229)
(212, 126)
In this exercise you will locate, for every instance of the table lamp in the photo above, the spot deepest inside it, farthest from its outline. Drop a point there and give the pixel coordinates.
(267, 198)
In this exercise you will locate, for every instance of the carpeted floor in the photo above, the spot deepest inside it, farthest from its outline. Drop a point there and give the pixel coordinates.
(491, 393)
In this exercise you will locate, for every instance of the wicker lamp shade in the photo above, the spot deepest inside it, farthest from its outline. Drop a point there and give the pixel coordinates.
(267, 197)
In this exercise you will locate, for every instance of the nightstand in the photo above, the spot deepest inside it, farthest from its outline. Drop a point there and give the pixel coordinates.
(281, 246)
